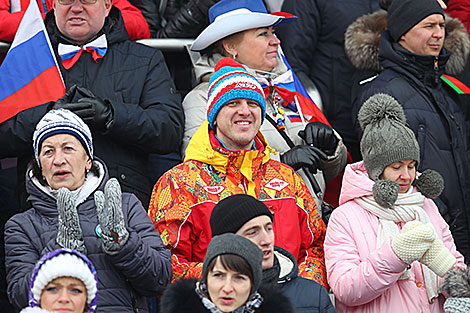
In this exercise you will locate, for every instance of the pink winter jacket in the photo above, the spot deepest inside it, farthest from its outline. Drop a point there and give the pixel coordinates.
(364, 278)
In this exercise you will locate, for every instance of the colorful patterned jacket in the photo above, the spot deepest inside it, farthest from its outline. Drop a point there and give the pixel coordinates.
(183, 199)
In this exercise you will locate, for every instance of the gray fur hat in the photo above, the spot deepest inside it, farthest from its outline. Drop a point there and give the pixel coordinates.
(234, 244)
(386, 140)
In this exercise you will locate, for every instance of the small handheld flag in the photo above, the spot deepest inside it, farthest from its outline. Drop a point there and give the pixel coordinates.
(29, 75)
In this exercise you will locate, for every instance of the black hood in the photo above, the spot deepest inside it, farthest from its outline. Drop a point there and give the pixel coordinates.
(113, 28)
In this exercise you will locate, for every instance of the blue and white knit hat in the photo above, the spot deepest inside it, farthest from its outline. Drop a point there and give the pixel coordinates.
(64, 263)
(62, 121)
(231, 81)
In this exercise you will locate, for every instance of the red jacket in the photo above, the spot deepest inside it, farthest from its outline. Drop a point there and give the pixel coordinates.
(460, 9)
(183, 199)
(134, 21)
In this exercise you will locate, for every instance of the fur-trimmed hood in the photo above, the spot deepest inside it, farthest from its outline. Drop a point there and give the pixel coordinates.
(362, 37)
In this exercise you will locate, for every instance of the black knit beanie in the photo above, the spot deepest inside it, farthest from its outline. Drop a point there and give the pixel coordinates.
(405, 14)
(231, 213)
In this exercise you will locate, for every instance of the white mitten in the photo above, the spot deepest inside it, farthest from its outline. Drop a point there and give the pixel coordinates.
(438, 258)
(413, 241)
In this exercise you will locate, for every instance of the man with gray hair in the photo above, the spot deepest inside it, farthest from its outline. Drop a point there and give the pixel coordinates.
(413, 58)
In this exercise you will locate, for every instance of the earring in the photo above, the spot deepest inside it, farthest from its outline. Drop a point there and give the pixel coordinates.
(234, 57)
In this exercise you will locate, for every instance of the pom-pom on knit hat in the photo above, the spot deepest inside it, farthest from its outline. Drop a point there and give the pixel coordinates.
(385, 139)
(62, 121)
(238, 245)
(231, 81)
(403, 15)
(64, 263)
(231, 213)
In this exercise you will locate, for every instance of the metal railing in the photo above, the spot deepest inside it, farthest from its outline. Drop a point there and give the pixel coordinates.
(164, 44)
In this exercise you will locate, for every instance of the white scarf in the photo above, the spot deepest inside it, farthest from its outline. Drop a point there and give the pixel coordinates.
(408, 207)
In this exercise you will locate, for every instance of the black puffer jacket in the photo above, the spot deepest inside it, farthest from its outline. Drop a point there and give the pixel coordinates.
(148, 117)
(434, 114)
(314, 46)
(141, 268)
(181, 297)
(306, 295)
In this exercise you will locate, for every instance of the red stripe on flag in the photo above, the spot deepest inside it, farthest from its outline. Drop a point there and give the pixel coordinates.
(309, 108)
(39, 88)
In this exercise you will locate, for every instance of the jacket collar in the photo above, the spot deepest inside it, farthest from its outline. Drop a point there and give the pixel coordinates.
(288, 264)
(240, 163)
(363, 36)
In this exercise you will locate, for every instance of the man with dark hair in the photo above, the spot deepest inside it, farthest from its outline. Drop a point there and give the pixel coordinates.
(250, 218)
(413, 58)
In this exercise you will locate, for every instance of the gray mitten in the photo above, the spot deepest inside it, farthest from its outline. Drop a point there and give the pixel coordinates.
(114, 234)
(70, 233)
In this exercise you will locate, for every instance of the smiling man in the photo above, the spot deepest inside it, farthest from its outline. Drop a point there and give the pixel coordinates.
(228, 155)
(413, 58)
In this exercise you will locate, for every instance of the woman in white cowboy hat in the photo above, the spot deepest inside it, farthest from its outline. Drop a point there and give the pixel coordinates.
(244, 30)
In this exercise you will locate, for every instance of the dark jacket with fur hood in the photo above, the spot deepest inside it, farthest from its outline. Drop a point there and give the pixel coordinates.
(433, 110)
(181, 297)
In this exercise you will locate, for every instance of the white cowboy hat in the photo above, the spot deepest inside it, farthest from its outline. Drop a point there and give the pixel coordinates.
(228, 17)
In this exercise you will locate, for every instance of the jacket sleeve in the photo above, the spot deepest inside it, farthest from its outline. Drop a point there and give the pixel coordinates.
(356, 280)
(311, 258)
(195, 113)
(143, 260)
(9, 22)
(155, 125)
(300, 38)
(336, 162)
(134, 21)
(23, 248)
(170, 213)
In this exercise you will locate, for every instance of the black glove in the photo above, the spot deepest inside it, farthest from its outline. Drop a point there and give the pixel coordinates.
(320, 135)
(93, 110)
(304, 156)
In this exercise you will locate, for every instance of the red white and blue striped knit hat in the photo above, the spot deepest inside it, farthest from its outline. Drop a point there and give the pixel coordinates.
(231, 81)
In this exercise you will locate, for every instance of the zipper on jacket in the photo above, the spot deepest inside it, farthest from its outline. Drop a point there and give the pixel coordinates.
(455, 120)
(436, 67)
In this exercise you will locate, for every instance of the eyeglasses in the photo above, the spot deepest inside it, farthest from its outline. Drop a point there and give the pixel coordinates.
(69, 2)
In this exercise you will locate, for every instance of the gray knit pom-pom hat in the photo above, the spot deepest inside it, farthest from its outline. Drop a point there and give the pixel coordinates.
(386, 138)
(456, 286)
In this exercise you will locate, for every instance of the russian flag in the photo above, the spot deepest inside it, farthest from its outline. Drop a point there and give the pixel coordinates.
(29, 75)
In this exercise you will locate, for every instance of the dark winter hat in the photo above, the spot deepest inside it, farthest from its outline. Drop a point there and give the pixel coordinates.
(405, 14)
(231, 81)
(386, 139)
(231, 213)
(62, 121)
(237, 245)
